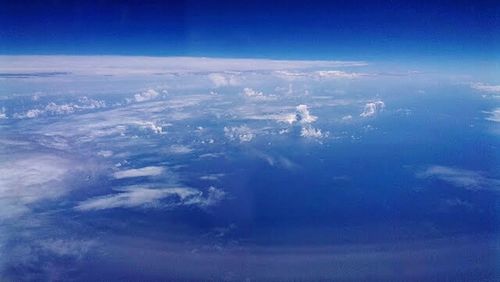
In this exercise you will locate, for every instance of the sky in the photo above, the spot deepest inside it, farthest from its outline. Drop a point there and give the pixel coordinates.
(361, 30)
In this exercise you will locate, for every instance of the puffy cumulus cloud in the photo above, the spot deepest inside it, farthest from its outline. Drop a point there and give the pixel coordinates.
(492, 89)
(311, 132)
(242, 133)
(139, 172)
(28, 180)
(372, 109)
(52, 108)
(220, 80)
(59, 109)
(467, 179)
(147, 95)
(135, 197)
(494, 115)
(303, 115)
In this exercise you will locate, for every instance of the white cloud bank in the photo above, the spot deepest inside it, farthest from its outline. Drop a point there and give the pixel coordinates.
(134, 197)
(130, 65)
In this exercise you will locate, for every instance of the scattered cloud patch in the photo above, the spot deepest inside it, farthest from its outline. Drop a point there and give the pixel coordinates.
(311, 132)
(492, 89)
(373, 108)
(242, 133)
(249, 92)
(52, 108)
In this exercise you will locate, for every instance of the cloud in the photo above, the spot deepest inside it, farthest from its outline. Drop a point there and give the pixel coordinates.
(133, 66)
(242, 133)
(337, 74)
(249, 92)
(147, 95)
(494, 115)
(134, 197)
(220, 80)
(492, 89)
(303, 115)
(3, 115)
(467, 179)
(372, 109)
(105, 153)
(53, 108)
(213, 177)
(180, 149)
(310, 132)
(30, 179)
(139, 172)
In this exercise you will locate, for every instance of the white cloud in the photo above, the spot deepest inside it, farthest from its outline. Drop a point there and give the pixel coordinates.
(3, 115)
(242, 133)
(213, 177)
(105, 153)
(309, 131)
(134, 197)
(53, 108)
(337, 74)
(493, 89)
(249, 92)
(139, 172)
(32, 179)
(372, 108)
(120, 65)
(467, 179)
(494, 115)
(180, 149)
(347, 118)
(152, 126)
(303, 115)
(147, 95)
(220, 80)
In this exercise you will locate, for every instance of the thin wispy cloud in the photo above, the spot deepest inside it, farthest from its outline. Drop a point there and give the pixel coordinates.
(463, 178)
(139, 172)
(136, 197)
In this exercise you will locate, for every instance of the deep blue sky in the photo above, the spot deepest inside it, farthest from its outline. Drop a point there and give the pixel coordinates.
(272, 29)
